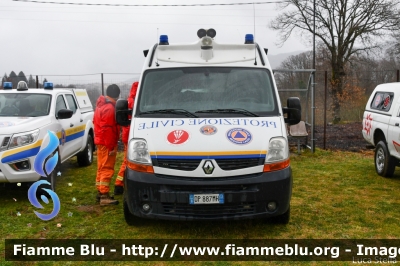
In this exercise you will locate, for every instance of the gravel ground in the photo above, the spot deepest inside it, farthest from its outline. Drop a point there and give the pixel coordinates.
(345, 137)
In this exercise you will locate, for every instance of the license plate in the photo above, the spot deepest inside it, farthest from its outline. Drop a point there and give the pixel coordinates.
(206, 199)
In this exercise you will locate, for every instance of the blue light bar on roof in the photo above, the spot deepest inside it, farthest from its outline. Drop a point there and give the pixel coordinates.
(163, 40)
(7, 85)
(249, 39)
(48, 85)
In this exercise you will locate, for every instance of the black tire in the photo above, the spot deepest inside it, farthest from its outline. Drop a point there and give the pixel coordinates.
(85, 157)
(283, 218)
(385, 164)
(130, 219)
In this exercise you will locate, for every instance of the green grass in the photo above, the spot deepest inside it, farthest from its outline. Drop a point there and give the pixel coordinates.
(336, 195)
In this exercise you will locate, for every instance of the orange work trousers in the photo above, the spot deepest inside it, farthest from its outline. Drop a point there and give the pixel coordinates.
(120, 178)
(105, 168)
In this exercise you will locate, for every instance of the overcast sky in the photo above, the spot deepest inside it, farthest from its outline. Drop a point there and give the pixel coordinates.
(56, 39)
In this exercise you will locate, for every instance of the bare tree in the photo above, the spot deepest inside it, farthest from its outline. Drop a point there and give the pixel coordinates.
(344, 27)
(294, 80)
(394, 49)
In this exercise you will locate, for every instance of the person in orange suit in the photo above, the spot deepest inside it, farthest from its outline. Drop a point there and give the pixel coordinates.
(106, 136)
(119, 182)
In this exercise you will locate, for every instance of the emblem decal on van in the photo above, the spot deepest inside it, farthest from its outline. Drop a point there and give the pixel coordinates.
(208, 167)
(208, 130)
(63, 137)
(386, 101)
(378, 100)
(368, 124)
(178, 137)
(6, 124)
(239, 136)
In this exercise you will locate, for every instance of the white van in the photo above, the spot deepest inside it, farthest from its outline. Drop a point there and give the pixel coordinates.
(208, 135)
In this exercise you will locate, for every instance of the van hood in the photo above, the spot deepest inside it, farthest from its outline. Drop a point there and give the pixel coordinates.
(12, 125)
(202, 138)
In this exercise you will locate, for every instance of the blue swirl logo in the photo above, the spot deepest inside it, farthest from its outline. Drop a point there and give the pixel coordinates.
(32, 198)
(44, 164)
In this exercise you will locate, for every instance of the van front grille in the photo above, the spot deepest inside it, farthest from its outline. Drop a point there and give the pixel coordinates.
(177, 164)
(235, 164)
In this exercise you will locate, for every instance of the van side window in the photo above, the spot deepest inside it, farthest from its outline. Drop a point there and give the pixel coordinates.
(60, 104)
(382, 101)
(71, 102)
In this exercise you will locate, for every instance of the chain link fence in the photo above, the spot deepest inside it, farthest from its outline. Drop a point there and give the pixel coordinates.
(358, 86)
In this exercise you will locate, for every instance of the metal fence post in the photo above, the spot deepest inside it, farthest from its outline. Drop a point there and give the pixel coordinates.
(326, 92)
(102, 84)
(313, 112)
(398, 75)
(37, 82)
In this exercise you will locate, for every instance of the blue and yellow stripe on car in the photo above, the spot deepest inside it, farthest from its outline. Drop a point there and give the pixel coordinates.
(75, 132)
(21, 152)
(208, 155)
(33, 149)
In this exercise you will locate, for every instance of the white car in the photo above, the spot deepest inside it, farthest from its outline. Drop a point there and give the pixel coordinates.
(27, 115)
(381, 126)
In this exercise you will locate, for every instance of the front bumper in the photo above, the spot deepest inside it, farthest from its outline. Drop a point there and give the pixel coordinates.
(10, 175)
(245, 196)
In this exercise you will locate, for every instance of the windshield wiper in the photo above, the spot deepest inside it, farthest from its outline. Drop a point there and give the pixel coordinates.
(233, 111)
(170, 111)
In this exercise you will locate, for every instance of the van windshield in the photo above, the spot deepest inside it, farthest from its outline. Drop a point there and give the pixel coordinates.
(207, 92)
(24, 104)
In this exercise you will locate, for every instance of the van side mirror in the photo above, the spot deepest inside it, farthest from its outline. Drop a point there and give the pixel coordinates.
(122, 113)
(293, 111)
(64, 114)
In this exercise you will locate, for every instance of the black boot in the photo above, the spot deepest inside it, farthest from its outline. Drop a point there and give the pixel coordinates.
(118, 190)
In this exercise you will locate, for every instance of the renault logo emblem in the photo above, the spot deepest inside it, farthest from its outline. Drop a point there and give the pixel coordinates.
(208, 167)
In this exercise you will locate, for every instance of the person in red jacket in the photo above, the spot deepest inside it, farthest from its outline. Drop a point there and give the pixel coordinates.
(106, 136)
(119, 182)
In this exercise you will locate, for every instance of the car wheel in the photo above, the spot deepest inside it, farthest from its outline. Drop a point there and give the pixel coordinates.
(85, 157)
(283, 218)
(384, 162)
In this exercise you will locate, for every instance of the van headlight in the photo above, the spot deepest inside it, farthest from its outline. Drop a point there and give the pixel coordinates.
(278, 155)
(138, 151)
(23, 139)
(277, 150)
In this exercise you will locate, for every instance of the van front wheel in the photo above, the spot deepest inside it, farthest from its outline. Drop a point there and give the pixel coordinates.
(384, 162)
